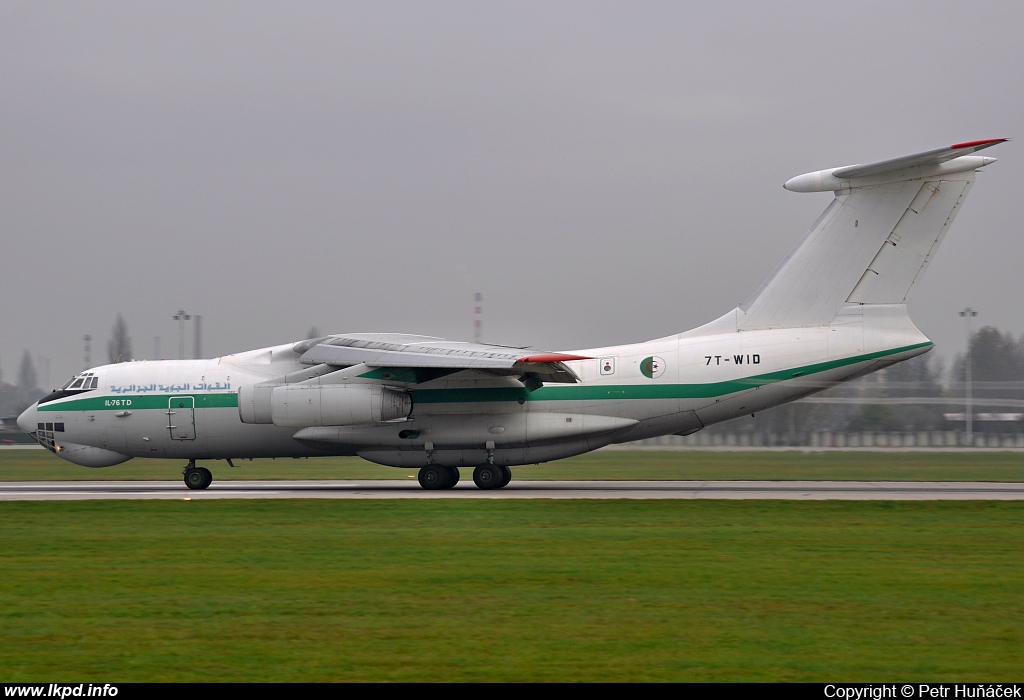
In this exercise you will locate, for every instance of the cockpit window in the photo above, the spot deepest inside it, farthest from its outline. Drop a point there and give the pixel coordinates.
(79, 383)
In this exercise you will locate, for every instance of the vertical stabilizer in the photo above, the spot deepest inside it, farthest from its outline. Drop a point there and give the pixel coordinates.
(873, 242)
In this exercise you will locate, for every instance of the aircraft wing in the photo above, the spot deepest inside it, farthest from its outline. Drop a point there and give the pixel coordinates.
(428, 353)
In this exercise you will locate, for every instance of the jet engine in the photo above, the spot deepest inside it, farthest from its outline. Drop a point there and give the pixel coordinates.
(300, 406)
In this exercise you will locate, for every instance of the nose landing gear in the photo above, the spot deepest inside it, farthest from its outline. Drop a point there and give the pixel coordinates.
(197, 478)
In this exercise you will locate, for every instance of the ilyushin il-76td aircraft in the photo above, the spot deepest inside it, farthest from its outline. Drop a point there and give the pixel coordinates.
(833, 310)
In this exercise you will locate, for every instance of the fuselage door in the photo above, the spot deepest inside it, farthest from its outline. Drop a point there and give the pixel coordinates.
(181, 417)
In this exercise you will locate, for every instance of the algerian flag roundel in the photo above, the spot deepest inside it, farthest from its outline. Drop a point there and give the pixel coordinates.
(652, 367)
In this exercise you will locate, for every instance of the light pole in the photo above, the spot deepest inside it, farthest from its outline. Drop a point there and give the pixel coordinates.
(478, 318)
(968, 313)
(181, 317)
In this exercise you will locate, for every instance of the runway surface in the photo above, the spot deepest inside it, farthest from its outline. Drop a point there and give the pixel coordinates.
(790, 490)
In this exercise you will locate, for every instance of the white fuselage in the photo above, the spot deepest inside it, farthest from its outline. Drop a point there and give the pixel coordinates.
(676, 385)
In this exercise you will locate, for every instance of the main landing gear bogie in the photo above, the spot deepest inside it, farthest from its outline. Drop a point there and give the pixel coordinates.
(434, 477)
(197, 478)
(492, 476)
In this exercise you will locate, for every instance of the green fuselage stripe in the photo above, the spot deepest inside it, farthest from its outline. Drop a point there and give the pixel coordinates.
(614, 392)
(571, 392)
(131, 402)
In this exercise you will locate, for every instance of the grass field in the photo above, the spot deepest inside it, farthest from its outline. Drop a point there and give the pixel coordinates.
(21, 465)
(511, 591)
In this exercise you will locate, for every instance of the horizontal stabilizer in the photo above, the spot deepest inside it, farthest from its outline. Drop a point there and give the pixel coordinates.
(939, 155)
(937, 162)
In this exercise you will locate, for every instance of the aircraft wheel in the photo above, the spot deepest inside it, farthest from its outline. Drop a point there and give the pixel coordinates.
(453, 477)
(433, 477)
(198, 478)
(506, 477)
(488, 476)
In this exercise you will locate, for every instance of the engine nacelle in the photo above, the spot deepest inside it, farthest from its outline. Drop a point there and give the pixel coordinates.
(301, 406)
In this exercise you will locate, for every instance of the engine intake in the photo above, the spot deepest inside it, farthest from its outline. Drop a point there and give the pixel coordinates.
(299, 406)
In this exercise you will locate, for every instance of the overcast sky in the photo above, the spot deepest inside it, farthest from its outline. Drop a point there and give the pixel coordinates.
(600, 172)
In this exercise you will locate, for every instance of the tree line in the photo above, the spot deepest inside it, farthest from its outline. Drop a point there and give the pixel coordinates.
(14, 398)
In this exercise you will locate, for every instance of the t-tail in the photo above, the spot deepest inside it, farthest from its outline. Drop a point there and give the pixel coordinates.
(862, 259)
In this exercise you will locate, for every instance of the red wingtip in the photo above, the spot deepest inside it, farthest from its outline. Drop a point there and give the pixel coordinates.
(973, 144)
(552, 357)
